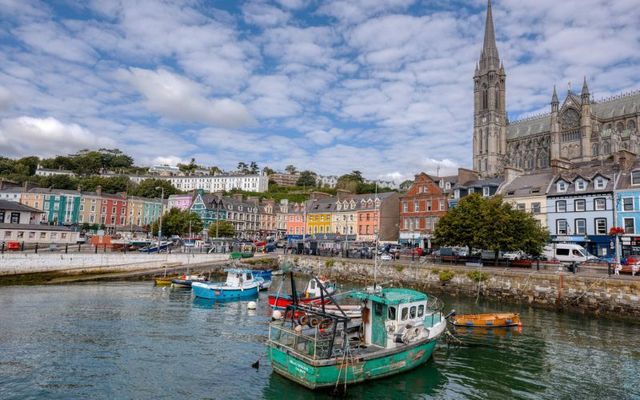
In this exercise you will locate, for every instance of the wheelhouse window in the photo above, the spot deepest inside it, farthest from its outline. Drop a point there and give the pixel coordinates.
(391, 313)
(412, 312)
(404, 314)
(420, 310)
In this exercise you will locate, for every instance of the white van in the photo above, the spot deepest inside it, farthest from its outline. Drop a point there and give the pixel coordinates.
(567, 252)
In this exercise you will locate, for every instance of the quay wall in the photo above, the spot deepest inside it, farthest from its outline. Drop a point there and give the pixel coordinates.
(29, 263)
(617, 297)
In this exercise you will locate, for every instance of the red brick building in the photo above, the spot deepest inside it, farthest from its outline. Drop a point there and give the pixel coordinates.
(420, 210)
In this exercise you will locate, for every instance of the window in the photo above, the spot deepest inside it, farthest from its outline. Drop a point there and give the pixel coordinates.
(580, 205)
(471, 190)
(20, 234)
(581, 185)
(635, 178)
(627, 204)
(15, 217)
(520, 207)
(600, 183)
(412, 312)
(391, 313)
(43, 235)
(601, 226)
(486, 191)
(32, 235)
(562, 252)
(405, 206)
(562, 186)
(535, 208)
(420, 310)
(581, 226)
(599, 204)
(441, 205)
(416, 206)
(561, 226)
(7, 234)
(405, 313)
(561, 206)
(629, 225)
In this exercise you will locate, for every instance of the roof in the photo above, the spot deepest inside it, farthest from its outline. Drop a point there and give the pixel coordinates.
(479, 183)
(13, 206)
(36, 227)
(12, 189)
(588, 171)
(535, 184)
(391, 296)
(529, 126)
(617, 106)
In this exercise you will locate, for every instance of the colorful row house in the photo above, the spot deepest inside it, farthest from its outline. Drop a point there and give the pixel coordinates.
(421, 207)
(627, 203)
(60, 207)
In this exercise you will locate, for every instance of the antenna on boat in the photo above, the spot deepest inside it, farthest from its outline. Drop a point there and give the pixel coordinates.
(375, 251)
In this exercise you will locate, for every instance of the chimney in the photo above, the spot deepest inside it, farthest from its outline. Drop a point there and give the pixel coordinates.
(559, 165)
(511, 173)
(466, 175)
(99, 190)
(237, 196)
(342, 193)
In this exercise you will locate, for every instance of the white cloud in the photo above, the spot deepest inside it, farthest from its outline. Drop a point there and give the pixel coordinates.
(5, 98)
(45, 137)
(179, 98)
(264, 15)
(168, 160)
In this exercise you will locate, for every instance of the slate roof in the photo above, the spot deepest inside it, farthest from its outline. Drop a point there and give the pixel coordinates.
(529, 126)
(617, 106)
(528, 185)
(587, 171)
(36, 227)
(13, 206)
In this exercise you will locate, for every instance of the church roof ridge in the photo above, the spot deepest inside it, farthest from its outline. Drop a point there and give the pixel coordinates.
(619, 96)
(530, 118)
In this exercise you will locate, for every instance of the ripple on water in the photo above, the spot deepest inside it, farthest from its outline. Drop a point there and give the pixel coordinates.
(132, 340)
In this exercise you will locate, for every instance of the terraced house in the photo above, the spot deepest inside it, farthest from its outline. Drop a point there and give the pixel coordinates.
(209, 207)
(627, 203)
(420, 210)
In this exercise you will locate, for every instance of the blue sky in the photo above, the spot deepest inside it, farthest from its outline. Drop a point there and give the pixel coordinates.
(384, 87)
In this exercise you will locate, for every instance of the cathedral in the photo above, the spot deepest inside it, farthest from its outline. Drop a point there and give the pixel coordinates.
(578, 129)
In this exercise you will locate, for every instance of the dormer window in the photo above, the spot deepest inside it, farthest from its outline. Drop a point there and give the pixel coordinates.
(456, 194)
(447, 185)
(581, 185)
(486, 191)
(600, 183)
(471, 190)
(562, 186)
(635, 177)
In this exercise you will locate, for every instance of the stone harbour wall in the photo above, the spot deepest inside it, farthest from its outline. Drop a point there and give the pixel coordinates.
(599, 295)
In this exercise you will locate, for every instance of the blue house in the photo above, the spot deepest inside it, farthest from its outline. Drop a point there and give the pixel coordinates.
(580, 208)
(627, 201)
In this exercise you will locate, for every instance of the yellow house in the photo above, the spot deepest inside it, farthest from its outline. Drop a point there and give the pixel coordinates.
(528, 193)
(318, 223)
(135, 211)
(35, 200)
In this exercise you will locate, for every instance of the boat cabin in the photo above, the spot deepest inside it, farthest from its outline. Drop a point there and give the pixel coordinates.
(238, 277)
(395, 316)
(313, 289)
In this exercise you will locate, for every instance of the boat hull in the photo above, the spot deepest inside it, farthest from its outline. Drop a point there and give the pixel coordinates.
(219, 293)
(323, 375)
(496, 320)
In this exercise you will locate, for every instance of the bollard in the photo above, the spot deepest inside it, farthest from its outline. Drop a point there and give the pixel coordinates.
(2, 248)
(79, 247)
(22, 246)
(104, 248)
(96, 249)
(66, 248)
(538, 265)
(36, 248)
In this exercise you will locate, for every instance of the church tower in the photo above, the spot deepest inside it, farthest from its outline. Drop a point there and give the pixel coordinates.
(490, 117)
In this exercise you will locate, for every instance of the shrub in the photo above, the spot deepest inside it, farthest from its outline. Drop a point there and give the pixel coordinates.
(435, 271)
(446, 275)
(478, 276)
(295, 260)
(329, 263)
(399, 268)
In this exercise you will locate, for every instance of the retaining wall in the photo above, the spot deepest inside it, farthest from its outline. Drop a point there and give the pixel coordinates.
(613, 296)
(26, 263)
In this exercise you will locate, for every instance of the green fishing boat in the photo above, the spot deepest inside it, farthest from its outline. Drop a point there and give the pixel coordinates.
(319, 348)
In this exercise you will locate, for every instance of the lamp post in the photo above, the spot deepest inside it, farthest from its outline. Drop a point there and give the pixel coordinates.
(616, 171)
(160, 219)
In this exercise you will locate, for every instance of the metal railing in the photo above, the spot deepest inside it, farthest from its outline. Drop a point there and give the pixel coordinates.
(310, 347)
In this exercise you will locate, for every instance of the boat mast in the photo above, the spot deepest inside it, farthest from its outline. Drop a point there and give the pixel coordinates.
(375, 252)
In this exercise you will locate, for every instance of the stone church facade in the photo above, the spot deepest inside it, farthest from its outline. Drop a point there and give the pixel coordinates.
(578, 129)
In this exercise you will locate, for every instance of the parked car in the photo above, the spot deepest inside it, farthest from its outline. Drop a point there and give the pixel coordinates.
(567, 253)
(386, 257)
(514, 255)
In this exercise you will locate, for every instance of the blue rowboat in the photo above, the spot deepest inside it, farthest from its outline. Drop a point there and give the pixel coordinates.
(240, 283)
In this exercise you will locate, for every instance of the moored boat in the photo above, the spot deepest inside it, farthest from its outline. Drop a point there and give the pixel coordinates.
(240, 283)
(397, 331)
(487, 320)
(264, 278)
(185, 281)
(312, 294)
(163, 281)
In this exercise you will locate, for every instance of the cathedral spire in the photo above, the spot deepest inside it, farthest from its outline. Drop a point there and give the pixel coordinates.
(554, 98)
(585, 88)
(489, 58)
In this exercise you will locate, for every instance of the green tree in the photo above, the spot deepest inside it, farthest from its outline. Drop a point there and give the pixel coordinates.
(490, 224)
(224, 229)
(253, 168)
(350, 181)
(268, 171)
(148, 188)
(214, 170)
(243, 167)
(307, 178)
(291, 169)
(189, 168)
(176, 222)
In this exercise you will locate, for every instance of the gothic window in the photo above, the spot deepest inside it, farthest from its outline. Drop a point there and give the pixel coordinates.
(529, 163)
(485, 97)
(619, 127)
(570, 119)
(543, 161)
(606, 148)
(594, 150)
(631, 125)
(481, 144)
(497, 96)
(486, 140)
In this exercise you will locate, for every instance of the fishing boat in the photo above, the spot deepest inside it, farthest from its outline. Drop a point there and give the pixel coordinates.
(240, 283)
(163, 281)
(264, 277)
(185, 281)
(153, 248)
(489, 320)
(311, 295)
(397, 332)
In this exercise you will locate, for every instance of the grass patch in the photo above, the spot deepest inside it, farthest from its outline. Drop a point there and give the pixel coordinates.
(478, 276)
(446, 275)
(399, 268)
(329, 263)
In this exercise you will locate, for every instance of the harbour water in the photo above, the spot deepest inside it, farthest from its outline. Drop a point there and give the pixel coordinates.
(136, 341)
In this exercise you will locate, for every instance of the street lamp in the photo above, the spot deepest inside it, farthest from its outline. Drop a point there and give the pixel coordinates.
(160, 218)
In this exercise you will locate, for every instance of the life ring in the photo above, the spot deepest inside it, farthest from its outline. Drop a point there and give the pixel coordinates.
(313, 321)
(325, 324)
(303, 319)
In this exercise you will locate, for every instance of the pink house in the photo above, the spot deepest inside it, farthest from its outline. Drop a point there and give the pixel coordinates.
(180, 201)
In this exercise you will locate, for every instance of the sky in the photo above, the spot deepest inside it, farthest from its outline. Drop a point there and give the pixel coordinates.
(380, 86)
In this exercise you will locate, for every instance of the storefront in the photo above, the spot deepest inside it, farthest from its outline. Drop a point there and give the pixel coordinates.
(630, 245)
(413, 239)
(597, 245)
